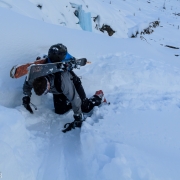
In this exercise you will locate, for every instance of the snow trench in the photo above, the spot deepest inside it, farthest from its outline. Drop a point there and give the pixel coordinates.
(107, 146)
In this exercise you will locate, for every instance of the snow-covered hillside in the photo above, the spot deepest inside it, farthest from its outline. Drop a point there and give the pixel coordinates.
(136, 136)
(119, 15)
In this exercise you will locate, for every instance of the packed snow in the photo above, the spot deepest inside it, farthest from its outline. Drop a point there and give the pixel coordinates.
(136, 137)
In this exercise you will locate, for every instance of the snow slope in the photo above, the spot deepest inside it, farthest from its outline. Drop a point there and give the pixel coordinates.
(120, 15)
(135, 137)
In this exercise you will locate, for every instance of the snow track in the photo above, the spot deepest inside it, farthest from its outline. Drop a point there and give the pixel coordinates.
(63, 156)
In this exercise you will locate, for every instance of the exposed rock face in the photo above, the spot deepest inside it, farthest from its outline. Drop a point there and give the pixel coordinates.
(107, 28)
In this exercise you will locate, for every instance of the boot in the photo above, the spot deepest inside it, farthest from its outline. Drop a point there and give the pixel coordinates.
(100, 94)
(98, 98)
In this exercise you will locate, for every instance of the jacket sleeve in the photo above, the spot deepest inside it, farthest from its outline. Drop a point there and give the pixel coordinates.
(70, 92)
(27, 87)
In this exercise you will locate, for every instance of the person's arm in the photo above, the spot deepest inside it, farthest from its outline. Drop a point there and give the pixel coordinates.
(70, 92)
(27, 87)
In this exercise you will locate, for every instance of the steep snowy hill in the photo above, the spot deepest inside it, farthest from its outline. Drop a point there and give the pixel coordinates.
(136, 136)
(92, 15)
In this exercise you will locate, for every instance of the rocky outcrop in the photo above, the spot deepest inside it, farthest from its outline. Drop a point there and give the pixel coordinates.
(107, 28)
(148, 30)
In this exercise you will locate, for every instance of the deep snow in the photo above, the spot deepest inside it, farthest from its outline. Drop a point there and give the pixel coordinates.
(136, 137)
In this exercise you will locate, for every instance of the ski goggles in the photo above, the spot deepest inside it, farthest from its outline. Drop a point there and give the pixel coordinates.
(47, 88)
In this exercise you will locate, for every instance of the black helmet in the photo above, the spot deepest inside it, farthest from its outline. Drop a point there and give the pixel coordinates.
(57, 52)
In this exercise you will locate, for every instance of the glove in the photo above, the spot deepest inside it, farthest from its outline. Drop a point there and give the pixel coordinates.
(26, 103)
(78, 119)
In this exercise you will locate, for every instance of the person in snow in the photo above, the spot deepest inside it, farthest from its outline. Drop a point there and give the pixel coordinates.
(68, 92)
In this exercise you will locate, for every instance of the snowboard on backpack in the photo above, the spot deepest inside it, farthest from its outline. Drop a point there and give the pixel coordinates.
(18, 71)
(38, 70)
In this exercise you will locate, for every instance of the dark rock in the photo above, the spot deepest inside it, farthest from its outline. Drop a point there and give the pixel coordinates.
(107, 28)
(171, 47)
(39, 6)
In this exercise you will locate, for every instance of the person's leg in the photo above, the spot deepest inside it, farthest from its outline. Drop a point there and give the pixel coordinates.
(61, 104)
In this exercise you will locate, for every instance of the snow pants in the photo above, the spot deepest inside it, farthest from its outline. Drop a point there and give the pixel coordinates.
(63, 105)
